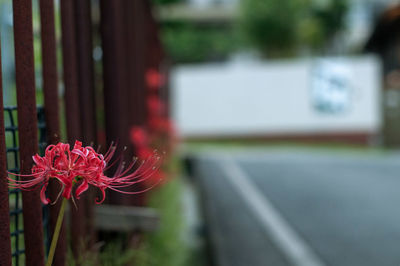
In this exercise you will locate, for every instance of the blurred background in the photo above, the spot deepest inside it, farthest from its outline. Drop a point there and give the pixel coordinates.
(283, 70)
(285, 133)
(288, 112)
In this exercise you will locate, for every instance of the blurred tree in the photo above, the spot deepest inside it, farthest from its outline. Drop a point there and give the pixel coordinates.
(187, 42)
(269, 24)
(278, 28)
(166, 2)
(323, 20)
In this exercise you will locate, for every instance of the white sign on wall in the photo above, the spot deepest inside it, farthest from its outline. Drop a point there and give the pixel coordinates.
(279, 97)
(331, 87)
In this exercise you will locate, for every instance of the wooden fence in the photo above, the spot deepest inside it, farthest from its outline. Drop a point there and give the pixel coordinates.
(126, 34)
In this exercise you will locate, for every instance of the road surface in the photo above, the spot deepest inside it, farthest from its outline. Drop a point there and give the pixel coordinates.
(301, 208)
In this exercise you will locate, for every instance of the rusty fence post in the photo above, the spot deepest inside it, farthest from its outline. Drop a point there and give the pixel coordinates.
(166, 90)
(154, 51)
(5, 242)
(72, 109)
(51, 109)
(135, 32)
(84, 45)
(111, 27)
(70, 76)
(84, 49)
(26, 101)
(138, 53)
(115, 78)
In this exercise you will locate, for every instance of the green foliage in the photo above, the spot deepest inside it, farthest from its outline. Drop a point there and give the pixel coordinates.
(269, 24)
(278, 28)
(188, 43)
(166, 246)
(331, 14)
(322, 22)
(112, 254)
(166, 2)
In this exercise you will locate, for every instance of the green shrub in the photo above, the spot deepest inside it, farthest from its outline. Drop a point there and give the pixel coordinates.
(186, 42)
(279, 28)
(166, 246)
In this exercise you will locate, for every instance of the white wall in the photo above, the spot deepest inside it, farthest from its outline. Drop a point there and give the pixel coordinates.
(271, 98)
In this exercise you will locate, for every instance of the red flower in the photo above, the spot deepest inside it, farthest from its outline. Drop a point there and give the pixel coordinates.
(84, 166)
(139, 136)
(155, 106)
(154, 79)
(141, 141)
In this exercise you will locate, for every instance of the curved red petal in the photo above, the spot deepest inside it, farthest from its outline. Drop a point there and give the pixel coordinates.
(103, 193)
(82, 188)
(37, 159)
(43, 197)
(78, 144)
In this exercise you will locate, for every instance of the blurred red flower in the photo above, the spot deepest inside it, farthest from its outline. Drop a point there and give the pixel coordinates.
(154, 79)
(155, 106)
(141, 141)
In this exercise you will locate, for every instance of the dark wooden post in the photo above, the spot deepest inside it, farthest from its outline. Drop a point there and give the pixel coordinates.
(5, 244)
(51, 109)
(72, 109)
(26, 99)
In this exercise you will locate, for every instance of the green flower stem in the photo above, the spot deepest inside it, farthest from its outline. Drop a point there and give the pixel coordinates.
(56, 233)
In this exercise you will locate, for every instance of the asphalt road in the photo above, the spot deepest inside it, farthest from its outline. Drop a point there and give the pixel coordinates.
(305, 208)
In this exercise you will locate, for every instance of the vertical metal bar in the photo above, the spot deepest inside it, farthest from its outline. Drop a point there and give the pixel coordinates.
(135, 38)
(72, 109)
(28, 141)
(85, 70)
(156, 58)
(153, 55)
(154, 52)
(129, 16)
(70, 71)
(5, 242)
(139, 57)
(51, 109)
(87, 95)
(115, 77)
(166, 90)
(113, 53)
(50, 76)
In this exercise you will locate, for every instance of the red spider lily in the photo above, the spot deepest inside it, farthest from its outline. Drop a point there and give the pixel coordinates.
(139, 136)
(154, 79)
(84, 166)
(159, 175)
(141, 141)
(161, 124)
(155, 106)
